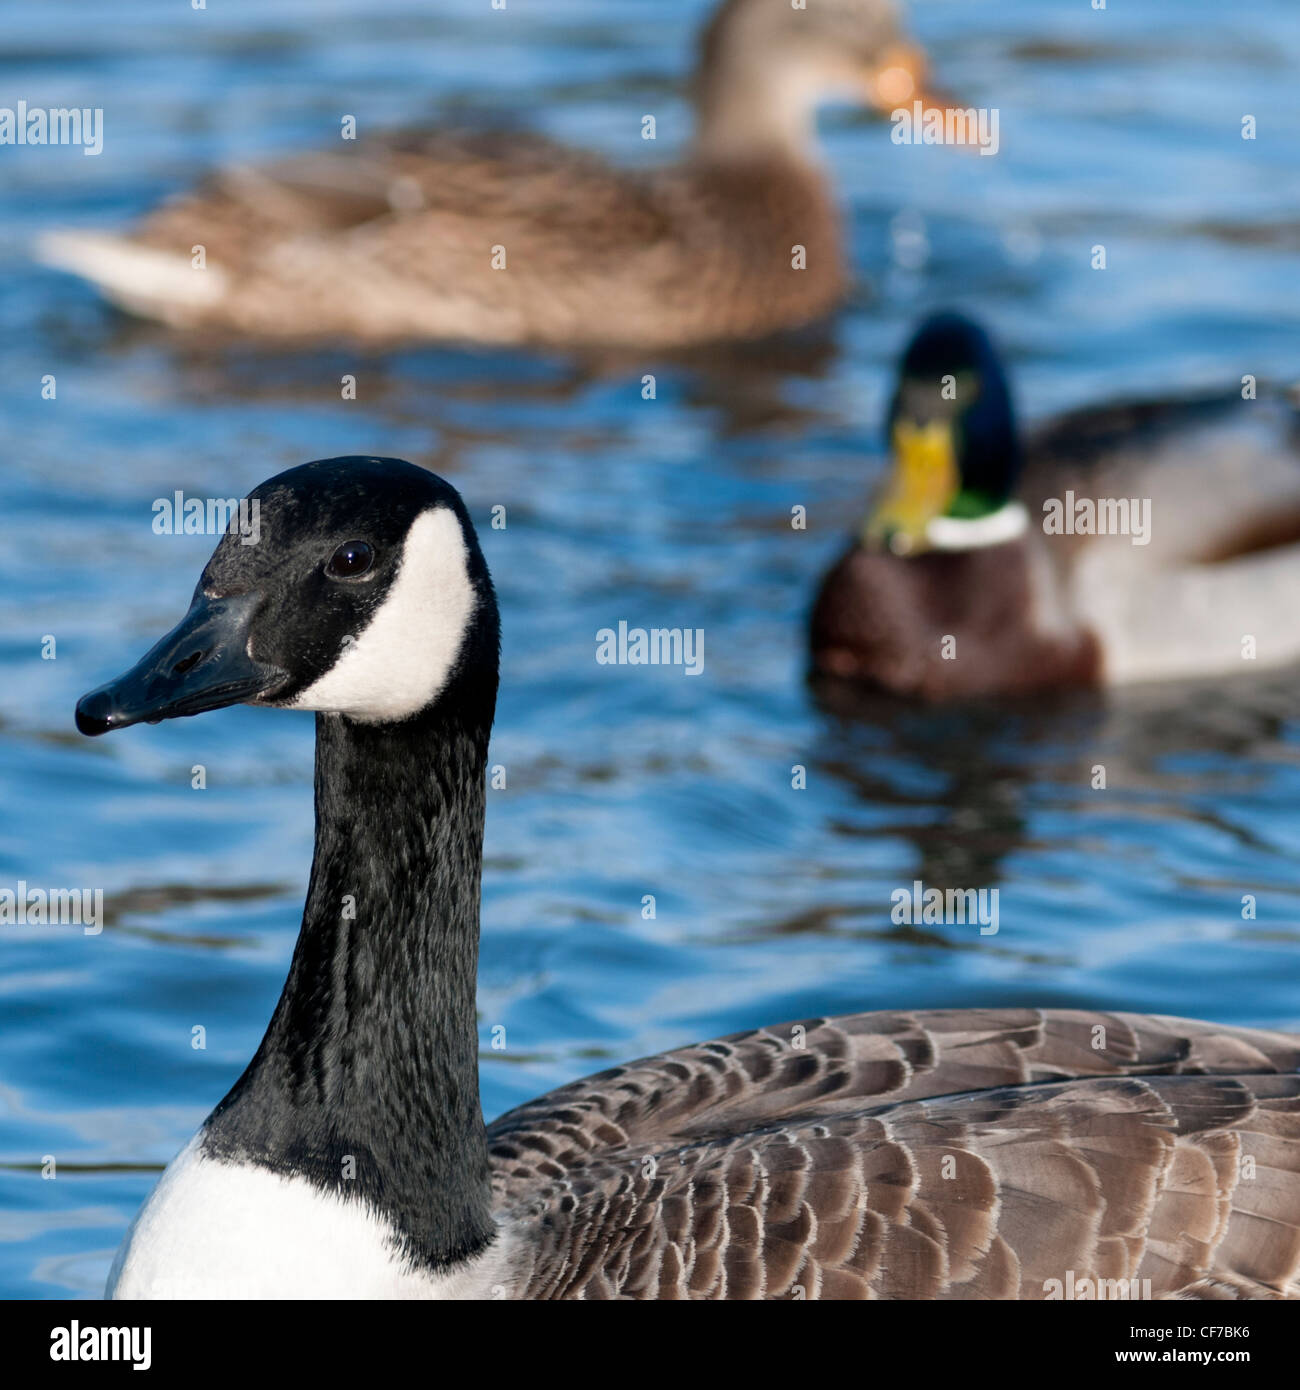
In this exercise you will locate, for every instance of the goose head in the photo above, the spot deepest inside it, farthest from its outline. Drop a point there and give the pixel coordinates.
(766, 65)
(954, 451)
(365, 595)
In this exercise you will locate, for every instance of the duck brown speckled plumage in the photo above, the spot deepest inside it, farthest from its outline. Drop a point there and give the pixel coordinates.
(402, 238)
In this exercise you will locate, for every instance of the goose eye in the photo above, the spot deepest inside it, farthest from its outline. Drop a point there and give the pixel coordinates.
(350, 559)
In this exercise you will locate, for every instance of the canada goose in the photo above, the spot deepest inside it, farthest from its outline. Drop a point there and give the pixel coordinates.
(512, 239)
(946, 1154)
(980, 569)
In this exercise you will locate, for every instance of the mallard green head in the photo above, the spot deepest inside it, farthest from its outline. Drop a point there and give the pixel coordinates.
(953, 446)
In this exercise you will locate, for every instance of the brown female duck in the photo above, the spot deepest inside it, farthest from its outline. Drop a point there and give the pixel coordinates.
(507, 239)
(1154, 540)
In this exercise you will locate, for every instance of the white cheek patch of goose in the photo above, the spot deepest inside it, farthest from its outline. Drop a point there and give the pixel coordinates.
(400, 661)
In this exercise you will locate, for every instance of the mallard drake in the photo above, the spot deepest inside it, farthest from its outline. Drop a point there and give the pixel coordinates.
(967, 1154)
(1152, 540)
(510, 239)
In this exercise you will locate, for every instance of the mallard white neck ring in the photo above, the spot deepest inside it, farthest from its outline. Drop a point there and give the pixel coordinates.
(954, 533)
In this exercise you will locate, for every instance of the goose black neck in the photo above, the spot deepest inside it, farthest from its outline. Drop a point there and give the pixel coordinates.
(366, 1083)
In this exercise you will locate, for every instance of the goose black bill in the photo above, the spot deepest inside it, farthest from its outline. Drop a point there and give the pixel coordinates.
(202, 664)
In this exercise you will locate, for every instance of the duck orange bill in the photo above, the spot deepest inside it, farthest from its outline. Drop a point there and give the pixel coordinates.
(900, 78)
(924, 481)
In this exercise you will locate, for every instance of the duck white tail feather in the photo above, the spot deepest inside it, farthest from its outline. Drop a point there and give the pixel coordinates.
(140, 279)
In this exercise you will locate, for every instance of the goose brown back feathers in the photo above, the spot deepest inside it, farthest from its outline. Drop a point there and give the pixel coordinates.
(962, 1154)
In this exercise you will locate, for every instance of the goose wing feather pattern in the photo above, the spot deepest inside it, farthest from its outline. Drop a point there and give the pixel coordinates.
(951, 1154)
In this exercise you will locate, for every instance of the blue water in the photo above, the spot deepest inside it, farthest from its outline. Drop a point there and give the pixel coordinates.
(1119, 127)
